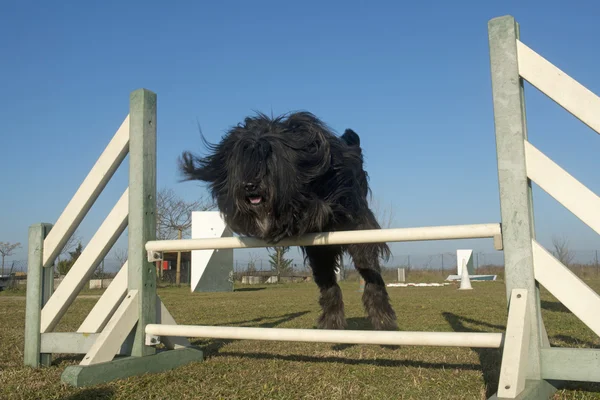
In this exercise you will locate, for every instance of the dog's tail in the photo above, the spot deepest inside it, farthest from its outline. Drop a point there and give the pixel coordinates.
(351, 138)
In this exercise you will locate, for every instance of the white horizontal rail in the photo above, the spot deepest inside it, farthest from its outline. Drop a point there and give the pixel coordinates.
(85, 196)
(560, 87)
(452, 339)
(563, 187)
(478, 231)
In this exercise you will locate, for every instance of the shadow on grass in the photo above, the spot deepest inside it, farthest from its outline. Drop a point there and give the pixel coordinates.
(490, 359)
(574, 342)
(379, 362)
(69, 358)
(588, 387)
(92, 394)
(359, 324)
(212, 346)
(248, 289)
(555, 306)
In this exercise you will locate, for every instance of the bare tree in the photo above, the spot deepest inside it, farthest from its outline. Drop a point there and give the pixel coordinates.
(70, 245)
(252, 261)
(120, 255)
(174, 218)
(561, 250)
(7, 250)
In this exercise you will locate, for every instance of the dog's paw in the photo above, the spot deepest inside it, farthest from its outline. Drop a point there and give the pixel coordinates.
(385, 324)
(327, 321)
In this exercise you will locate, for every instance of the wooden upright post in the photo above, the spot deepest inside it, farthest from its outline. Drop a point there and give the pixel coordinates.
(142, 210)
(40, 283)
(515, 206)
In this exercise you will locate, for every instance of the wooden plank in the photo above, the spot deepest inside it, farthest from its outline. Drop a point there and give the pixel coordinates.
(100, 244)
(581, 102)
(516, 200)
(142, 207)
(571, 291)
(116, 331)
(35, 296)
(88, 192)
(107, 304)
(91, 375)
(581, 365)
(73, 343)
(513, 370)
(67, 342)
(563, 187)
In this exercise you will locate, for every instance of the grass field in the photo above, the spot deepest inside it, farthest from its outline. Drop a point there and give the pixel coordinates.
(280, 370)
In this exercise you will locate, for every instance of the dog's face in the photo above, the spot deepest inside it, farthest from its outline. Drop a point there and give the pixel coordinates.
(248, 178)
(259, 171)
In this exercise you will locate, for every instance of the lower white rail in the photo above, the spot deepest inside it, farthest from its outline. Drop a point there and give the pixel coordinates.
(450, 339)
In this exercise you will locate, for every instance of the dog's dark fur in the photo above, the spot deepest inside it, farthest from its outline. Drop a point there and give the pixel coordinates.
(274, 178)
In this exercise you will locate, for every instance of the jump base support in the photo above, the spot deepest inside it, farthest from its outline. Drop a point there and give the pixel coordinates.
(125, 367)
(534, 390)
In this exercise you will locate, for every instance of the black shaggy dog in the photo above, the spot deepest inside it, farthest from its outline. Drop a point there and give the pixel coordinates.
(275, 178)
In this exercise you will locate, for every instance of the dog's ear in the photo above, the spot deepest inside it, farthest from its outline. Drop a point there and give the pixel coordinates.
(351, 138)
(310, 138)
(193, 167)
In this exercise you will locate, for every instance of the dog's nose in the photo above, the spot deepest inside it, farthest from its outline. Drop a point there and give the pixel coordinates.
(250, 187)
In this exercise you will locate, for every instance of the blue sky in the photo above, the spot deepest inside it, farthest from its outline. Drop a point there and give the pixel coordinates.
(411, 78)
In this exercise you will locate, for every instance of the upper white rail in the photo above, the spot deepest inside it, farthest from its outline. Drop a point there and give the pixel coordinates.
(560, 87)
(477, 231)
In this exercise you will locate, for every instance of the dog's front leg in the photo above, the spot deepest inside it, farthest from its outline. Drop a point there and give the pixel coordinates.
(323, 261)
(376, 300)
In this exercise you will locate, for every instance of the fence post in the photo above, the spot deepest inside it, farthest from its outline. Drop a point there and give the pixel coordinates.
(516, 203)
(142, 207)
(40, 283)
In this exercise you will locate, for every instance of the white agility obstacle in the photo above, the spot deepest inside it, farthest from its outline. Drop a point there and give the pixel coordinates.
(131, 320)
(211, 270)
(464, 258)
(465, 270)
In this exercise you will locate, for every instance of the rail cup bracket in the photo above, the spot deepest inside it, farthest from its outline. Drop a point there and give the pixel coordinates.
(152, 340)
(498, 244)
(155, 256)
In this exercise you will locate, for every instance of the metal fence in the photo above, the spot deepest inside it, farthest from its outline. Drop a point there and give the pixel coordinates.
(584, 263)
(431, 261)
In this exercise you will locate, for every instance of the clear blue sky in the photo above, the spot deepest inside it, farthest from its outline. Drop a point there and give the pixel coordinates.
(411, 78)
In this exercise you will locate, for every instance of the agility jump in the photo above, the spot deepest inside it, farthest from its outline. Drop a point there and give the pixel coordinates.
(130, 319)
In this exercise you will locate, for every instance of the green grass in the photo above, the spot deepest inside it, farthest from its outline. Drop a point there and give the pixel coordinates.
(288, 370)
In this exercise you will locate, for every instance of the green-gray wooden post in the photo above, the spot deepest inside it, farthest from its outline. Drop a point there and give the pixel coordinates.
(40, 283)
(142, 209)
(515, 187)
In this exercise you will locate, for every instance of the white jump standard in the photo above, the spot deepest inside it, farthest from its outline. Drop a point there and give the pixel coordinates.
(119, 337)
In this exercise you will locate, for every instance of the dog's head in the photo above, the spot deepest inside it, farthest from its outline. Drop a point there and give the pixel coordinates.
(259, 171)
